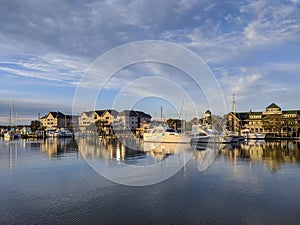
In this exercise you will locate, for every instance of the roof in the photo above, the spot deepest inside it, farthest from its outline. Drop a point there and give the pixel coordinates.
(88, 113)
(112, 112)
(207, 112)
(242, 115)
(142, 114)
(256, 113)
(291, 112)
(132, 113)
(273, 106)
(56, 115)
(99, 112)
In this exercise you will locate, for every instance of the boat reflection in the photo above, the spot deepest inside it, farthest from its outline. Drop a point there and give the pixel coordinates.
(205, 154)
(128, 149)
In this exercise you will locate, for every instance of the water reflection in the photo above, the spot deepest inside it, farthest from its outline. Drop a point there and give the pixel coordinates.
(57, 147)
(272, 154)
(130, 161)
(93, 148)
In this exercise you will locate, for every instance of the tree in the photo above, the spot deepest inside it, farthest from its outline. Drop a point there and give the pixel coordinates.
(273, 123)
(35, 125)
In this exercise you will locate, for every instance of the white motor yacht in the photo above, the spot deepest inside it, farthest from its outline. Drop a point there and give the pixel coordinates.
(164, 134)
(250, 135)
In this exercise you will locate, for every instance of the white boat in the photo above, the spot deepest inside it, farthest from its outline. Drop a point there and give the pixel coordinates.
(50, 133)
(11, 135)
(164, 134)
(235, 136)
(65, 133)
(250, 135)
(208, 135)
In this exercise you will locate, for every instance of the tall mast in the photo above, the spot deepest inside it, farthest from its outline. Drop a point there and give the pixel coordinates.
(10, 114)
(161, 114)
(234, 111)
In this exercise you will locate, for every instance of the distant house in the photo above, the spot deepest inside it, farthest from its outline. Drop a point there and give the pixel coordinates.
(130, 120)
(84, 120)
(56, 120)
(271, 121)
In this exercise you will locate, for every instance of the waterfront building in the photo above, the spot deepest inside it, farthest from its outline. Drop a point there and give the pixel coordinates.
(84, 120)
(130, 120)
(273, 121)
(56, 120)
(103, 118)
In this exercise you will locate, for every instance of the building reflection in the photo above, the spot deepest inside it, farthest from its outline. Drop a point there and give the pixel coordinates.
(108, 148)
(125, 149)
(272, 154)
(58, 147)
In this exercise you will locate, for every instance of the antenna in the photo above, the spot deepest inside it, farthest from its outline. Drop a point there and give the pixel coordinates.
(233, 104)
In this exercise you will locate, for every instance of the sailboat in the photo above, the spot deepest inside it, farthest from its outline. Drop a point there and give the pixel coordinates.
(11, 133)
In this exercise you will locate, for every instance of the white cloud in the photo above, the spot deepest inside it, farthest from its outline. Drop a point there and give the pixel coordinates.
(40, 43)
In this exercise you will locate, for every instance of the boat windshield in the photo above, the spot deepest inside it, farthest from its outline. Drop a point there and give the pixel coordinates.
(170, 130)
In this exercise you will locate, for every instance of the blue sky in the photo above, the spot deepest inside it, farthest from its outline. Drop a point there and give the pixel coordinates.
(252, 48)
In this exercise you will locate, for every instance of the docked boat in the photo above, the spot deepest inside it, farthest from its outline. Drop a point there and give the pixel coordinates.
(65, 133)
(208, 135)
(235, 136)
(11, 135)
(164, 134)
(250, 135)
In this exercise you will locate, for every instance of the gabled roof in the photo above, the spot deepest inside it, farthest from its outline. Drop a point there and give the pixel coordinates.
(273, 106)
(112, 112)
(88, 113)
(57, 115)
(99, 112)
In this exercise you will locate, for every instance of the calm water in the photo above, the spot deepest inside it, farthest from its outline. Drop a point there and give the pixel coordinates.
(46, 182)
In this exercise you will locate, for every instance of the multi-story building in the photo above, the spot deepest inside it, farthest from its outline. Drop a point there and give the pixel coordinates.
(56, 120)
(130, 120)
(271, 121)
(104, 118)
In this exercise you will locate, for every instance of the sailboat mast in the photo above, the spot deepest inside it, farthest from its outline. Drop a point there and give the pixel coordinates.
(234, 111)
(161, 114)
(10, 114)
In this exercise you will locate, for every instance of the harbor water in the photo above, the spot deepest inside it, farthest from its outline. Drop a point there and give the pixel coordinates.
(67, 181)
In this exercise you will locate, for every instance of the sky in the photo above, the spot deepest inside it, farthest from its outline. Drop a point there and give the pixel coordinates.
(249, 48)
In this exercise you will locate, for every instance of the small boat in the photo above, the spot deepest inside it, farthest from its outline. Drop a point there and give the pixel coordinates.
(50, 133)
(250, 135)
(65, 133)
(164, 134)
(11, 135)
